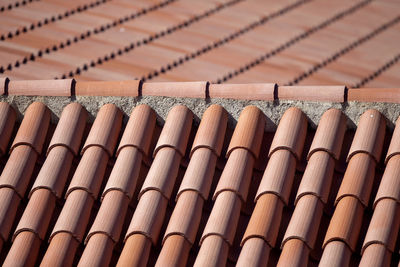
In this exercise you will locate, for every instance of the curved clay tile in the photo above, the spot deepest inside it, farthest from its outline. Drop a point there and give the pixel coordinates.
(24, 251)
(255, 252)
(176, 130)
(33, 128)
(390, 183)
(7, 121)
(330, 133)
(105, 129)
(211, 131)
(98, 251)
(70, 127)
(248, 132)
(107, 88)
(41, 87)
(291, 132)
(213, 252)
(370, 135)
(375, 255)
(252, 91)
(336, 254)
(61, 250)
(9, 201)
(140, 245)
(172, 244)
(394, 147)
(175, 89)
(294, 253)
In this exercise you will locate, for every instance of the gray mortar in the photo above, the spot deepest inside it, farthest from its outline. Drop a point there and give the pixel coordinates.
(273, 110)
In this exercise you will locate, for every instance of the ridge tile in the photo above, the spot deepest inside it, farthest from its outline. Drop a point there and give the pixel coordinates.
(389, 95)
(107, 88)
(41, 87)
(175, 89)
(313, 93)
(252, 91)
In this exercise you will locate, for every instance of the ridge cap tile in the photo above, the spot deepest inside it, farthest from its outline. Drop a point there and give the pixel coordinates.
(108, 88)
(211, 131)
(249, 131)
(394, 147)
(388, 95)
(61, 87)
(291, 132)
(369, 135)
(176, 130)
(139, 129)
(250, 91)
(70, 128)
(325, 93)
(33, 128)
(8, 118)
(195, 89)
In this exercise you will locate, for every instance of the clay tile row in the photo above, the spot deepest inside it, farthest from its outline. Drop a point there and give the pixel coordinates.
(7, 121)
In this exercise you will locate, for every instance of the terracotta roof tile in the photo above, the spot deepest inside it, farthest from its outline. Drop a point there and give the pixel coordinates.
(7, 121)
(107, 88)
(375, 255)
(255, 252)
(138, 131)
(330, 133)
(391, 95)
(105, 129)
(248, 131)
(336, 254)
(3, 83)
(61, 248)
(24, 250)
(172, 245)
(317, 178)
(33, 128)
(211, 132)
(98, 251)
(394, 147)
(41, 87)
(8, 210)
(176, 130)
(136, 251)
(294, 253)
(313, 93)
(291, 132)
(213, 252)
(389, 186)
(278, 176)
(369, 135)
(70, 128)
(255, 91)
(172, 89)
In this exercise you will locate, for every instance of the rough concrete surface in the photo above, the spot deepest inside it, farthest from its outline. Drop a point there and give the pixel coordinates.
(273, 110)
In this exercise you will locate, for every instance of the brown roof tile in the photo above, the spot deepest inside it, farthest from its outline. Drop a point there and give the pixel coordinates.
(9, 200)
(369, 135)
(41, 87)
(346, 222)
(294, 253)
(330, 133)
(375, 255)
(136, 251)
(172, 89)
(61, 250)
(249, 131)
(69, 131)
(313, 93)
(176, 130)
(24, 250)
(255, 252)
(254, 91)
(107, 88)
(33, 128)
(390, 183)
(211, 132)
(213, 252)
(358, 178)
(391, 95)
(336, 254)
(317, 178)
(168, 255)
(98, 251)
(278, 176)
(291, 132)
(7, 121)
(394, 147)
(3, 83)
(305, 220)
(139, 130)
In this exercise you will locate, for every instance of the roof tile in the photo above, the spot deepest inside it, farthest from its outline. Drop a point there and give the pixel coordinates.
(186, 216)
(172, 245)
(291, 132)
(125, 173)
(305, 220)
(253, 91)
(249, 131)
(317, 178)
(213, 252)
(24, 250)
(176, 130)
(37, 214)
(74, 215)
(384, 225)
(175, 89)
(312, 93)
(149, 216)
(336, 254)
(294, 253)
(212, 128)
(255, 252)
(237, 174)
(358, 179)
(3, 83)
(330, 133)
(390, 183)
(139, 130)
(136, 251)
(7, 121)
(278, 176)
(109, 218)
(375, 255)
(370, 135)
(107, 88)
(9, 200)
(199, 173)
(41, 87)
(70, 128)
(391, 95)
(33, 128)
(90, 172)
(223, 218)
(394, 147)
(98, 251)
(345, 223)
(265, 220)
(61, 250)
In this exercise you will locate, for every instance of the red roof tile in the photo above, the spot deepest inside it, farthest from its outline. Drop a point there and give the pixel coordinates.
(110, 88)
(41, 87)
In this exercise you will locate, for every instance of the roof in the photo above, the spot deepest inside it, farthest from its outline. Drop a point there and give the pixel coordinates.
(194, 187)
(289, 42)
